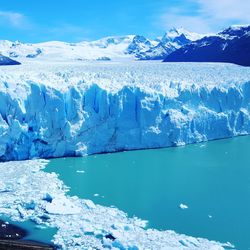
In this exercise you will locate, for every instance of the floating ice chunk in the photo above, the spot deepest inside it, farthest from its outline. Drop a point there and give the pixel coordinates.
(61, 205)
(47, 197)
(183, 206)
(80, 171)
(184, 243)
(96, 195)
(89, 204)
(30, 205)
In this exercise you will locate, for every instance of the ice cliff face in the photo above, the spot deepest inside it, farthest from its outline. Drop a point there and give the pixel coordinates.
(112, 107)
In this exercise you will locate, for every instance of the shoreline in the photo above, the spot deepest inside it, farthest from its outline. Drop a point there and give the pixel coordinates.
(12, 237)
(23, 245)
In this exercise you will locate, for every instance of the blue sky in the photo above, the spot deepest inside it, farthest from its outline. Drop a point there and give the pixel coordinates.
(77, 20)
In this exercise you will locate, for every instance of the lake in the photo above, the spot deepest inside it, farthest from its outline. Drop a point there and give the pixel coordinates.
(212, 179)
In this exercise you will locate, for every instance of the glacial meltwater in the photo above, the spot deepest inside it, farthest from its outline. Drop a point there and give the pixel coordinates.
(34, 232)
(202, 190)
(212, 179)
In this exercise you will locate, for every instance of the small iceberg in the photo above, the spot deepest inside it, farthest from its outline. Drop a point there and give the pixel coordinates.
(183, 206)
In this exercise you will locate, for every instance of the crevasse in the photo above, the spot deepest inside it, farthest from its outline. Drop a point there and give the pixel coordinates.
(51, 123)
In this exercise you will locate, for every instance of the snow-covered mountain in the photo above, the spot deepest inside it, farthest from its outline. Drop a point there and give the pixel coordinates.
(4, 60)
(172, 40)
(231, 45)
(129, 47)
(140, 44)
(110, 47)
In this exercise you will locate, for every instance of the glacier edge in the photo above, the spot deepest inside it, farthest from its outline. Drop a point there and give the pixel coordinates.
(48, 123)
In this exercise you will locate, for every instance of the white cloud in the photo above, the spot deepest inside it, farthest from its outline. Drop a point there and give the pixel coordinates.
(207, 15)
(175, 18)
(15, 19)
(230, 10)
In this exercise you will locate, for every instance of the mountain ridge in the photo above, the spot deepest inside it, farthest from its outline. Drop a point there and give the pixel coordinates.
(136, 47)
(232, 45)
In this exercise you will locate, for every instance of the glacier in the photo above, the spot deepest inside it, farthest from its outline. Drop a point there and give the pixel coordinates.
(76, 109)
(29, 193)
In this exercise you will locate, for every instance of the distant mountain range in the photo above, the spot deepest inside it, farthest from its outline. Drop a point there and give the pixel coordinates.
(232, 45)
(144, 49)
(177, 45)
(109, 48)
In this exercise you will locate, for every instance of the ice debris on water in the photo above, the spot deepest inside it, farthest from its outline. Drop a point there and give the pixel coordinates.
(80, 171)
(81, 223)
(183, 206)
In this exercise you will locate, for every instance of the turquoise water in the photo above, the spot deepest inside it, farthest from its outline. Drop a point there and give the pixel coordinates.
(212, 178)
(35, 233)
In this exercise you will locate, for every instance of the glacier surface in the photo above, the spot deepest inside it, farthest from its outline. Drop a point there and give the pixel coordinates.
(62, 109)
(29, 193)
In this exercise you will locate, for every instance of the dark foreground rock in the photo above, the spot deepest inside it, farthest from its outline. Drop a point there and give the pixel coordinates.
(11, 239)
(12, 232)
(23, 245)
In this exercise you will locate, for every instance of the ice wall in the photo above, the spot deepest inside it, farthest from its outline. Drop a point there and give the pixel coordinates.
(51, 123)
